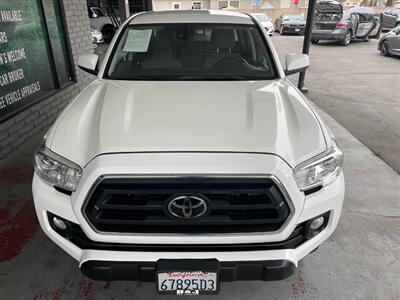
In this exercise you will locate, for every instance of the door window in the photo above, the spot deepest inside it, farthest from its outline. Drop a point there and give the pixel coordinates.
(176, 5)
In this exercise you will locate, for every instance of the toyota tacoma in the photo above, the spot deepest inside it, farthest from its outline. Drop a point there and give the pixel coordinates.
(190, 160)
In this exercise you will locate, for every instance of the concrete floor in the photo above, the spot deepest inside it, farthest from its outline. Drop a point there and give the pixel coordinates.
(356, 86)
(360, 261)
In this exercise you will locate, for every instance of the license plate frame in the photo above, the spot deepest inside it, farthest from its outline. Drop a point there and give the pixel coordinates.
(297, 29)
(187, 266)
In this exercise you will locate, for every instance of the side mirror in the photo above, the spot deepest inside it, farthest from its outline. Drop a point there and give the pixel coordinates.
(88, 63)
(94, 15)
(296, 63)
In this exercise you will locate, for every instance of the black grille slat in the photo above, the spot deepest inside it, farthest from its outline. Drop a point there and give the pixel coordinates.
(138, 205)
(79, 238)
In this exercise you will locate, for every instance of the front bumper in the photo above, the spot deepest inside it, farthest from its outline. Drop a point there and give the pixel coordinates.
(293, 30)
(270, 30)
(48, 200)
(228, 271)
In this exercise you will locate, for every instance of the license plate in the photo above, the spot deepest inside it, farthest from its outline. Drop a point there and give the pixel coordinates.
(187, 283)
(297, 29)
(187, 277)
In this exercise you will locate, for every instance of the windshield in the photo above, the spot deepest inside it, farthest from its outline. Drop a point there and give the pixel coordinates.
(261, 18)
(191, 52)
(293, 18)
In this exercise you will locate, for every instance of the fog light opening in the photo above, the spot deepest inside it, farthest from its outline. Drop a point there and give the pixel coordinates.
(59, 224)
(317, 223)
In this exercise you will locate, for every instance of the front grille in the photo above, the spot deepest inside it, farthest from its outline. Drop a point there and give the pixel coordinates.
(79, 238)
(138, 205)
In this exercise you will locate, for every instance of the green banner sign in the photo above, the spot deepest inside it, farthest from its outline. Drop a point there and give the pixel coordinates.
(33, 56)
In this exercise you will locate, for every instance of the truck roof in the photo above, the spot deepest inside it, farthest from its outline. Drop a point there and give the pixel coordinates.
(192, 16)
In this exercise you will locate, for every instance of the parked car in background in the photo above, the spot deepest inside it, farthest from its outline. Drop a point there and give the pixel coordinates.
(265, 21)
(290, 24)
(101, 22)
(390, 18)
(389, 44)
(97, 36)
(332, 24)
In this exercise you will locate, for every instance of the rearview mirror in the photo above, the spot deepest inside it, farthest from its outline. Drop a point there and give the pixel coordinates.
(296, 63)
(88, 63)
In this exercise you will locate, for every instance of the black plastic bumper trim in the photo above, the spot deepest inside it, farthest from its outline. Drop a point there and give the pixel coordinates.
(228, 271)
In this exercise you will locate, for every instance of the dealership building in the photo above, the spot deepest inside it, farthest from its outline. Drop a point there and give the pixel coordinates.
(40, 41)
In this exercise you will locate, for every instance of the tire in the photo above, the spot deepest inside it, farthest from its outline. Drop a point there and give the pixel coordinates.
(108, 32)
(314, 41)
(281, 31)
(384, 49)
(346, 40)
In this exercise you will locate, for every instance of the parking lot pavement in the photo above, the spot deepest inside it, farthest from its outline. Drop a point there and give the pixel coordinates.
(360, 260)
(356, 86)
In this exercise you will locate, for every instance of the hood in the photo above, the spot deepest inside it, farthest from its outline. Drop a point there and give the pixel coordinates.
(191, 116)
(329, 6)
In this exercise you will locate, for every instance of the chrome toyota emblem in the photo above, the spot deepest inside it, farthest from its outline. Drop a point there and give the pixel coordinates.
(187, 207)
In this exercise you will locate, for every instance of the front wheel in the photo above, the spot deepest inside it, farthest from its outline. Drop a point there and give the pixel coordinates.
(346, 41)
(384, 49)
(281, 31)
(314, 41)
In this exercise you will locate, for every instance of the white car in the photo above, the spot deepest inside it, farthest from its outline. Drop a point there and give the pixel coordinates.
(97, 36)
(191, 160)
(265, 22)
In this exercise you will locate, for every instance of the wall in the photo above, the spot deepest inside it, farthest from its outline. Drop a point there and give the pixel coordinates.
(159, 5)
(37, 118)
(245, 6)
(274, 13)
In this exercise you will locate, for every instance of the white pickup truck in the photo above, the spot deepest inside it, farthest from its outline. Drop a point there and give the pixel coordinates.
(191, 160)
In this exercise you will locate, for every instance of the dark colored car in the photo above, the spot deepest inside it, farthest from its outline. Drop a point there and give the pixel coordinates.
(290, 24)
(331, 23)
(389, 44)
(390, 18)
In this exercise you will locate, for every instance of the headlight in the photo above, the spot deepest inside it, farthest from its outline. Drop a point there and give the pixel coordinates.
(56, 170)
(321, 170)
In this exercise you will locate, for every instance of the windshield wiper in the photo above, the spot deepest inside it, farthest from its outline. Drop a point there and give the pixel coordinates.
(211, 77)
